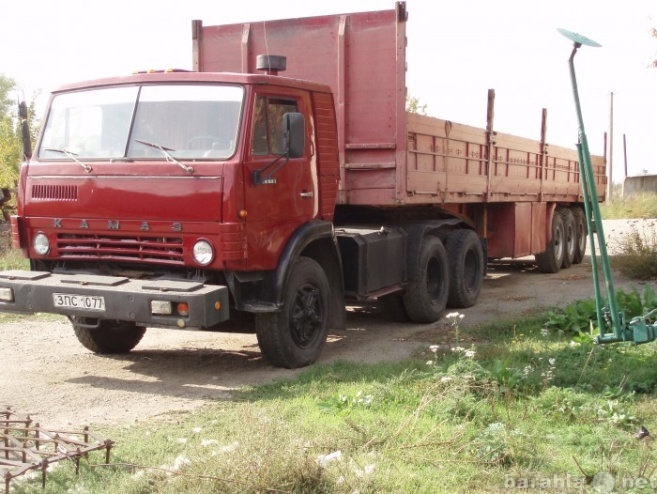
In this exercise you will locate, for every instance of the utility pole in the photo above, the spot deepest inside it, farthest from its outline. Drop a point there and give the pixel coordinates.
(610, 182)
(625, 155)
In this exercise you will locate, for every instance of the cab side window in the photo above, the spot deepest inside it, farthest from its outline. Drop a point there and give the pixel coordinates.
(268, 124)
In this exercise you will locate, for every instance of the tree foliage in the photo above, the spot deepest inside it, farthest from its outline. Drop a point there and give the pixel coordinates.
(11, 148)
(10, 144)
(413, 105)
(6, 86)
(10, 152)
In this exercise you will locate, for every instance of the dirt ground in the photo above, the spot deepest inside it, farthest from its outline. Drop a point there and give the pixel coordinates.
(47, 374)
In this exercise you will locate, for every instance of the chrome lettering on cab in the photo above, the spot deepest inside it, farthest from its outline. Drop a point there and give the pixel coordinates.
(144, 226)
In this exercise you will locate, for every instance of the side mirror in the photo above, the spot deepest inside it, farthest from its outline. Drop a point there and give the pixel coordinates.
(294, 129)
(25, 130)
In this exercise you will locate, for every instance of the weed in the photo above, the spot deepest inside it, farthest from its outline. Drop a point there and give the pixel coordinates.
(637, 258)
(577, 318)
(500, 445)
(639, 205)
(343, 403)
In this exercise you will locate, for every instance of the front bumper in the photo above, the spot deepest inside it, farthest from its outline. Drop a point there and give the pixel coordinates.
(114, 297)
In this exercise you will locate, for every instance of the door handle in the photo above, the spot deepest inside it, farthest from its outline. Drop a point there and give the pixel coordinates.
(307, 195)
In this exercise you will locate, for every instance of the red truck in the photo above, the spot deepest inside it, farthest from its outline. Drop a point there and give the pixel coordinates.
(233, 198)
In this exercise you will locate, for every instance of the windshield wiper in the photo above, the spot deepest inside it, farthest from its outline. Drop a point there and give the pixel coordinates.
(167, 156)
(73, 156)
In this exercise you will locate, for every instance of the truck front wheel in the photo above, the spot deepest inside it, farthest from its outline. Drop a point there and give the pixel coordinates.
(294, 336)
(426, 294)
(108, 336)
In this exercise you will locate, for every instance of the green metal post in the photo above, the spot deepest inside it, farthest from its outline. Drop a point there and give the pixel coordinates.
(609, 316)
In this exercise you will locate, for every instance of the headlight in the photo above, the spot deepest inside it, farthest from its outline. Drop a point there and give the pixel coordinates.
(203, 252)
(41, 244)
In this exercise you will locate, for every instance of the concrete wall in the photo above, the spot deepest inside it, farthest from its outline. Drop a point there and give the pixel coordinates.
(640, 183)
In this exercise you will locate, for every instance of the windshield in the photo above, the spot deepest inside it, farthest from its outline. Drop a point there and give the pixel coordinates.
(146, 122)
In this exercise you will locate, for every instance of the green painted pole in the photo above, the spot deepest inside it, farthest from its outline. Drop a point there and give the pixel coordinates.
(610, 321)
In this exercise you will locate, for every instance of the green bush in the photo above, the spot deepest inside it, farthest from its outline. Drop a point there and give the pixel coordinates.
(578, 317)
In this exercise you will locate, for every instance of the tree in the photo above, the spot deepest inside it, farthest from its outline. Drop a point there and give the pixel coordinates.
(10, 142)
(6, 86)
(413, 106)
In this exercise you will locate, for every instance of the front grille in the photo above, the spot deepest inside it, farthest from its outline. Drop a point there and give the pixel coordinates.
(162, 250)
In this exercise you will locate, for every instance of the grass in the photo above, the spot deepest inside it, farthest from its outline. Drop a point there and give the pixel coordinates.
(638, 205)
(10, 258)
(529, 403)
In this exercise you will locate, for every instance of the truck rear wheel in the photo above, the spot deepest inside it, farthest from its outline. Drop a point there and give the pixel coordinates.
(294, 336)
(551, 260)
(570, 237)
(426, 294)
(109, 336)
(580, 235)
(466, 268)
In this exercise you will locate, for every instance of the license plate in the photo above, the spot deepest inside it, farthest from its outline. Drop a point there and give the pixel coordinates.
(86, 302)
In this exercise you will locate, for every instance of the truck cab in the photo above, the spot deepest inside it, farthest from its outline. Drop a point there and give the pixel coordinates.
(170, 198)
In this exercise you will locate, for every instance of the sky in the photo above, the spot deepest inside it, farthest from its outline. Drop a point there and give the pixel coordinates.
(457, 50)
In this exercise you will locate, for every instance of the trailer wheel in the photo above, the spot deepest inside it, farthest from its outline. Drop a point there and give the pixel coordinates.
(466, 268)
(426, 294)
(551, 260)
(294, 336)
(580, 235)
(570, 237)
(109, 336)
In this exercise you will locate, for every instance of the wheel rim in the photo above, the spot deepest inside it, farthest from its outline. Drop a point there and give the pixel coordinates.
(559, 243)
(307, 316)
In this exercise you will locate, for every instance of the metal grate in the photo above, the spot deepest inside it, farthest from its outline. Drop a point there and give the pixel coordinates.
(163, 250)
(55, 192)
(25, 447)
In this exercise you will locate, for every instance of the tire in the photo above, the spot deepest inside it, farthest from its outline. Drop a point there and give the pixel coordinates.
(551, 260)
(426, 294)
(466, 268)
(570, 237)
(109, 337)
(294, 336)
(581, 232)
(392, 308)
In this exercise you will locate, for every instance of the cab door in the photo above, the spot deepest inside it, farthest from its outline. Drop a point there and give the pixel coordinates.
(287, 195)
